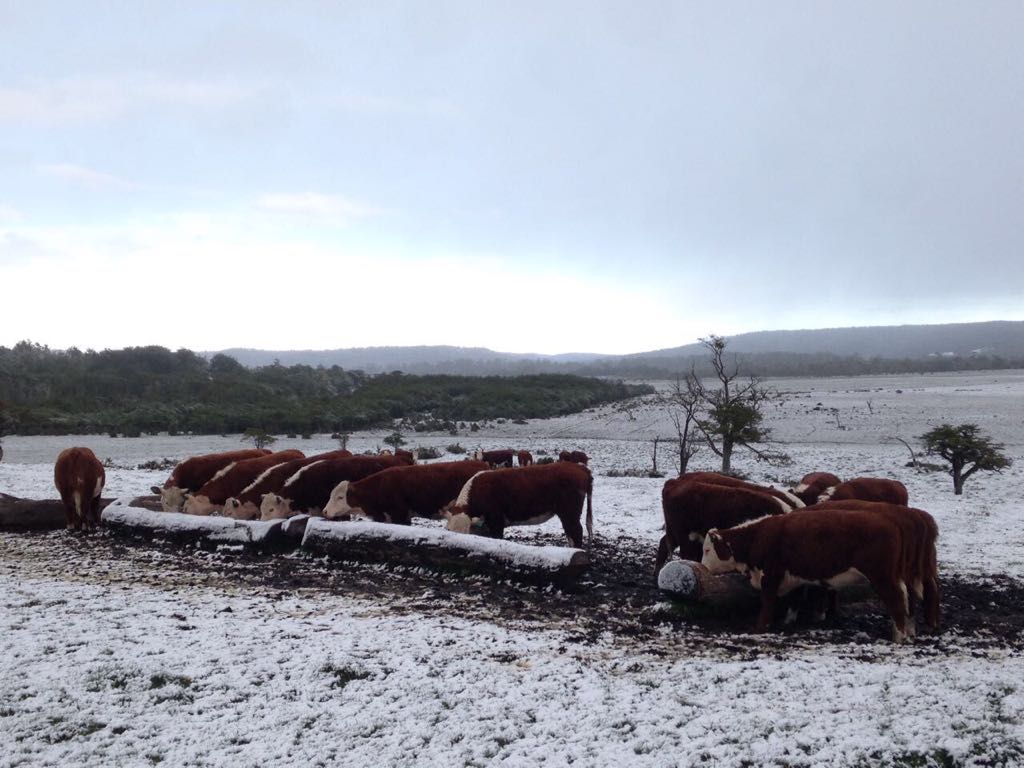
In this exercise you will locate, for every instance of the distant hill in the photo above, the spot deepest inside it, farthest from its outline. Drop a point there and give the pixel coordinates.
(828, 351)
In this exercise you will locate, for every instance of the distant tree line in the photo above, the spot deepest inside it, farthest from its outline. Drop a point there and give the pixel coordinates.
(152, 389)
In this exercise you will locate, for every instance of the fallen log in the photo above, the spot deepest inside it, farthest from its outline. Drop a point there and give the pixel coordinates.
(124, 519)
(48, 514)
(439, 549)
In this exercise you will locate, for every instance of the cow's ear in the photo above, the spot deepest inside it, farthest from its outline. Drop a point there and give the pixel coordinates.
(155, 489)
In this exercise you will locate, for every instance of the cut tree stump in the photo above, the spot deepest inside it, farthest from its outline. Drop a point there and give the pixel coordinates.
(123, 518)
(48, 514)
(440, 549)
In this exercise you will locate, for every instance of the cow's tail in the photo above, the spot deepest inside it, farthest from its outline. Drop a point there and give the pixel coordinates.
(79, 512)
(590, 508)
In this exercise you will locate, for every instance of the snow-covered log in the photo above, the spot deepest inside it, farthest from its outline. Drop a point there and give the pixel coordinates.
(440, 549)
(48, 514)
(121, 517)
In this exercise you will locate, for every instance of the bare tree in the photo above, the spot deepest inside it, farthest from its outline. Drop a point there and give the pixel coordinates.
(733, 409)
(684, 404)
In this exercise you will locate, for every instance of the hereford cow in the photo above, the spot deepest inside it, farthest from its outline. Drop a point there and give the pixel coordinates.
(232, 480)
(814, 546)
(693, 508)
(395, 495)
(525, 458)
(920, 532)
(79, 478)
(190, 475)
(868, 489)
(716, 478)
(813, 485)
(498, 458)
(246, 505)
(493, 500)
(309, 489)
(578, 457)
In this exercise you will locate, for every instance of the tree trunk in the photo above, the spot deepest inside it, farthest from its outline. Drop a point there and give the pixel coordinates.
(48, 514)
(726, 457)
(958, 484)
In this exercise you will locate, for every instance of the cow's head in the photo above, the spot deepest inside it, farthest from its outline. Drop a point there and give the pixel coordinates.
(274, 507)
(235, 509)
(172, 499)
(199, 505)
(478, 455)
(718, 556)
(338, 507)
(460, 522)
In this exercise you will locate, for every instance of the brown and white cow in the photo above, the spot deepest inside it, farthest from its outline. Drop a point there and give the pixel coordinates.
(191, 473)
(309, 489)
(717, 478)
(497, 458)
(578, 457)
(496, 499)
(79, 477)
(525, 458)
(868, 489)
(395, 495)
(232, 480)
(813, 485)
(815, 546)
(692, 508)
(246, 505)
(920, 531)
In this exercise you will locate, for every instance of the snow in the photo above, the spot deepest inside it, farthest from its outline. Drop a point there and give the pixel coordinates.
(98, 672)
(220, 529)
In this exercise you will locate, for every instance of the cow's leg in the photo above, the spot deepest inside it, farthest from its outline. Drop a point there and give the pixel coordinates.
(573, 529)
(894, 594)
(770, 583)
(666, 547)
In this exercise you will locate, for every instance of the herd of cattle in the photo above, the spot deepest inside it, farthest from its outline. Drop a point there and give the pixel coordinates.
(823, 532)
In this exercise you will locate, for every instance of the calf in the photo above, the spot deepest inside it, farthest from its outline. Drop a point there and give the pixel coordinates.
(813, 485)
(498, 458)
(716, 478)
(814, 546)
(868, 489)
(920, 532)
(246, 505)
(693, 508)
(394, 495)
(525, 458)
(79, 477)
(191, 473)
(493, 500)
(309, 489)
(578, 457)
(231, 480)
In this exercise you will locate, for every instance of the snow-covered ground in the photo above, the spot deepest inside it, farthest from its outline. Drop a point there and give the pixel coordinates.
(99, 668)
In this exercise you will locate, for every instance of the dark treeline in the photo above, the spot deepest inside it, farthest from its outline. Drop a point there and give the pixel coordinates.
(152, 389)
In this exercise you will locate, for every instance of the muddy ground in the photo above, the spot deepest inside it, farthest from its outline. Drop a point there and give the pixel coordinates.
(617, 599)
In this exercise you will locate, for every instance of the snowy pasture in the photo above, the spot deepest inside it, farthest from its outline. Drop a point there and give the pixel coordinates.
(118, 654)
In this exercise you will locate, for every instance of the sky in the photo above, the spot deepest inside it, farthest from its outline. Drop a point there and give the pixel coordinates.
(526, 176)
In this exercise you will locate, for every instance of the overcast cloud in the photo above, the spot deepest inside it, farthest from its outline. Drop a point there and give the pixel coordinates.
(549, 177)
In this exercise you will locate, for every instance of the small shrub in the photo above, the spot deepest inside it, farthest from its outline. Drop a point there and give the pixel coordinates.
(455, 448)
(428, 453)
(545, 460)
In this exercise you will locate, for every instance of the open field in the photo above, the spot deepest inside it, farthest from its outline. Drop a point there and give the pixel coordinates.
(121, 654)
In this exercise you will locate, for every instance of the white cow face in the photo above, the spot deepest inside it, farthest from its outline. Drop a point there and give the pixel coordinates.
(199, 505)
(338, 506)
(172, 499)
(459, 522)
(718, 556)
(274, 507)
(235, 509)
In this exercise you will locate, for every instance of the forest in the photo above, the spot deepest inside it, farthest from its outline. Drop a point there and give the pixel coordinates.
(153, 389)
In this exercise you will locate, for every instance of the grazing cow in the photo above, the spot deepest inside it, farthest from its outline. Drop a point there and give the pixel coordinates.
(309, 489)
(231, 480)
(815, 546)
(716, 478)
(246, 505)
(498, 458)
(525, 458)
(868, 489)
(491, 501)
(79, 477)
(577, 456)
(395, 495)
(190, 475)
(693, 508)
(813, 485)
(919, 530)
